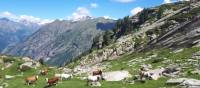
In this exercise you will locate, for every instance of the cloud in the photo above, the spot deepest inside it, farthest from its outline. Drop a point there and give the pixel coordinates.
(81, 12)
(93, 5)
(124, 1)
(167, 1)
(171, 1)
(136, 10)
(34, 19)
(8, 15)
(183, 0)
(28, 18)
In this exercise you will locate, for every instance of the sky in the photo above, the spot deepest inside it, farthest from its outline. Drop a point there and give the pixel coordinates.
(48, 10)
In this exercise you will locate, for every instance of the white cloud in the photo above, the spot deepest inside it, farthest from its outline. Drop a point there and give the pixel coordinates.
(183, 0)
(124, 1)
(24, 18)
(109, 17)
(167, 1)
(136, 10)
(93, 5)
(81, 12)
(171, 1)
(8, 15)
(34, 19)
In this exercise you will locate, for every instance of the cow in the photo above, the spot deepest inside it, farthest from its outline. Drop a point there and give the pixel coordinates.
(31, 79)
(52, 81)
(44, 71)
(98, 73)
(92, 79)
(64, 76)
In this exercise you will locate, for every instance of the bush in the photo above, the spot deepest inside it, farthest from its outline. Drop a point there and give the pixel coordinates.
(6, 60)
(156, 60)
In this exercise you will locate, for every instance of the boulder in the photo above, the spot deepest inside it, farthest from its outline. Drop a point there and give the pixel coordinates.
(185, 82)
(175, 81)
(30, 64)
(27, 59)
(67, 70)
(191, 83)
(116, 75)
(8, 64)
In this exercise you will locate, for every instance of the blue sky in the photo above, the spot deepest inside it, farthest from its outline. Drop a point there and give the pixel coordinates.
(66, 9)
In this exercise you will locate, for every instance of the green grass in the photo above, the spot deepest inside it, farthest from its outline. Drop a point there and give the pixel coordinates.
(118, 64)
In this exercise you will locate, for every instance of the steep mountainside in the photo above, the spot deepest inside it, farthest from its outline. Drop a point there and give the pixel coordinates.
(13, 32)
(178, 28)
(60, 41)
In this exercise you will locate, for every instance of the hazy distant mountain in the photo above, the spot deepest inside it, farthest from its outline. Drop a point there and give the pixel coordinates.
(14, 32)
(60, 41)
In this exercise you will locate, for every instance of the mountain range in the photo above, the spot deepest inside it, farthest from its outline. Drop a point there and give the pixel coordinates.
(12, 32)
(62, 40)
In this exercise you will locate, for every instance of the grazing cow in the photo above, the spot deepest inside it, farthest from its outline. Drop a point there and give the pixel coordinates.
(92, 79)
(64, 76)
(52, 81)
(44, 71)
(98, 73)
(31, 79)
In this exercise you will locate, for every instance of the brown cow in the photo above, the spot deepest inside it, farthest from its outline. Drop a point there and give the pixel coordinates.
(52, 81)
(98, 73)
(31, 79)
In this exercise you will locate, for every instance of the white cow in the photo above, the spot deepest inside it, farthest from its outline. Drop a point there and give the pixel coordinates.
(91, 80)
(64, 76)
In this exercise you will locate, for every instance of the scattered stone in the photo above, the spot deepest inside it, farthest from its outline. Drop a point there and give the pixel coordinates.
(4, 85)
(197, 71)
(30, 64)
(116, 75)
(175, 81)
(27, 59)
(185, 82)
(191, 83)
(178, 51)
(8, 64)
(67, 70)
(8, 77)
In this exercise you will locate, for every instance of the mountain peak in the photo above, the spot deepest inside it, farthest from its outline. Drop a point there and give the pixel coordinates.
(4, 19)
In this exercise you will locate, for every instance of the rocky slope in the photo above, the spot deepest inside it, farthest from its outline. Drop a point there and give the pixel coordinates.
(177, 29)
(60, 41)
(12, 32)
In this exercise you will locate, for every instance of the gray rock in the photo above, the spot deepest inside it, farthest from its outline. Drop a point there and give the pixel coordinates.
(191, 83)
(175, 81)
(8, 77)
